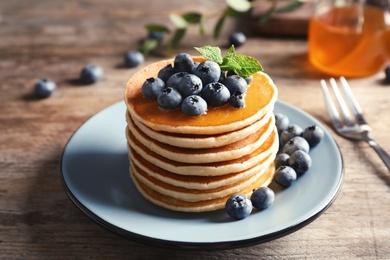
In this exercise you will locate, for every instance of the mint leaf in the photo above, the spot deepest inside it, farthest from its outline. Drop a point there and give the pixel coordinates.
(211, 53)
(242, 65)
(248, 65)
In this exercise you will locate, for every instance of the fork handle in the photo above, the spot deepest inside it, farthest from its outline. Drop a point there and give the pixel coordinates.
(382, 153)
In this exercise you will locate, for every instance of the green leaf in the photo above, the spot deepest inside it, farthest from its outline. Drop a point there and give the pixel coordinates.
(248, 65)
(192, 17)
(239, 5)
(178, 21)
(201, 26)
(156, 28)
(291, 6)
(267, 15)
(211, 53)
(177, 37)
(148, 45)
(218, 27)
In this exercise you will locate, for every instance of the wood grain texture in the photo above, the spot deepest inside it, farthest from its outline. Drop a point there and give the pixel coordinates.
(56, 38)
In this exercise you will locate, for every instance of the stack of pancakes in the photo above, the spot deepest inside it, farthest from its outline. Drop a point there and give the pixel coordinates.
(195, 164)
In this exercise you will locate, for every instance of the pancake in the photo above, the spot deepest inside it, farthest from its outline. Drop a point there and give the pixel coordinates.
(196, 182)
(200, 141)
(207, 169)
(260, 99)
(200, 206)
(230, 151)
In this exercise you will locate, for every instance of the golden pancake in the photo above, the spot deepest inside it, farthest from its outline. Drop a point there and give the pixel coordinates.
(200, 206)
(200, 141)
(207, 169)
(260, 98)
(197, 182)
(207, 155)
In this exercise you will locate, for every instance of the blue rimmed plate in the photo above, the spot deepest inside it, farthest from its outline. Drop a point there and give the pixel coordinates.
(95, 172)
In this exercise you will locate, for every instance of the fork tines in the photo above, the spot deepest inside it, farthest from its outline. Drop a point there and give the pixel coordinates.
(351, 105)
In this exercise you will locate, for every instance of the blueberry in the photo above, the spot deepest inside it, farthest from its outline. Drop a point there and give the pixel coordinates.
(208, 72)
(237, 100)
(300, 161)
(190, 85)
(281, 122)
(152, 87)
(237, 39)
(196, 64)
(238, 206)
(183, 62)
(44, 88)
(169, 99)
(262, 198)
(290, 132)
(166, 72)
(91, 73)
(230, 73)
(216, 94)
(285, 176)
(281, 160)
(174, 80)
(313, 135)
(194, 105)
(296, 143)
(235, 83)
(157, 35)
(387, 74)
(133, 59)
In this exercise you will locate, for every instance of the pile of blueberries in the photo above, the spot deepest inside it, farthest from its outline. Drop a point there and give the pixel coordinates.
(292, 161)
(194, 86)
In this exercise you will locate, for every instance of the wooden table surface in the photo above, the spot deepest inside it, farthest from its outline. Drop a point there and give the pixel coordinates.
(55, 39)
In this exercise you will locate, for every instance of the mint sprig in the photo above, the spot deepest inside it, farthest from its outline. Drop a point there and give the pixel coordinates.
(242, 65)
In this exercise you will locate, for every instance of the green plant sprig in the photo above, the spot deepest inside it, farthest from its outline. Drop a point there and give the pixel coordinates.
(233, 9)
(242, 65)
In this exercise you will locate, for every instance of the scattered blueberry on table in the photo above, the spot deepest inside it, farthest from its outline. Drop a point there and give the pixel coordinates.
(91, 73)
(133, 59)
(237, 39)
(44, 88)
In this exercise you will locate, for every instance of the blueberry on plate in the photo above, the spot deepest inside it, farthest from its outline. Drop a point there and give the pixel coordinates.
(91, 73)
(285, 176)
(44, 88)
(190, 84)
(291, 131)
(194, 105)
(262, 198)
(300, 161)
(216, 94)
(281, 121)
(235, 83)
(152, 87)
(208, 71)
(313, 135)
(183, 62)
(174, 80)
(133, 59)
(281, 160)
(237, 100)
(237, 39)
(166, 72)
(169, 99)
(296, 143)
(238, 206)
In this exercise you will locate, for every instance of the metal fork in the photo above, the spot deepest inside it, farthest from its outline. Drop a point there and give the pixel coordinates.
(353, 127)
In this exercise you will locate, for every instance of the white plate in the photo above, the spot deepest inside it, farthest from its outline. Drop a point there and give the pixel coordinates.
(95, 173)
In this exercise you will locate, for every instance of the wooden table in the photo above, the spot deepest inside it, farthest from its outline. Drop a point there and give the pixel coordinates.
(56, 38)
